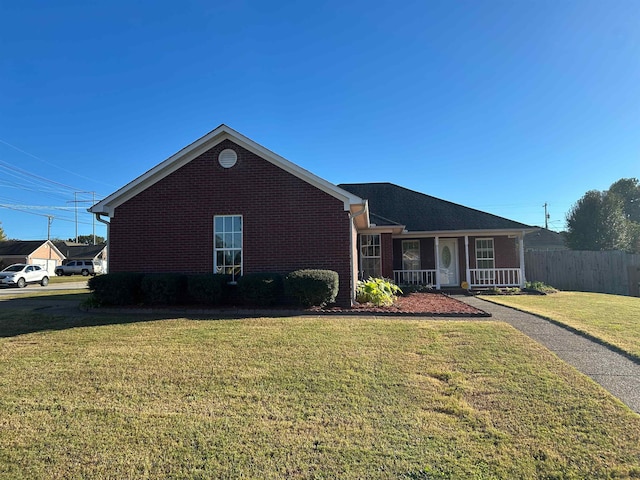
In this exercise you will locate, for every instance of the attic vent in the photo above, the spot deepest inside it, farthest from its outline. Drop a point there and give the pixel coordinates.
(227, 158)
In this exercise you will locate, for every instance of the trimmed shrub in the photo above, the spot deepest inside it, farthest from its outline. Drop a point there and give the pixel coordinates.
(379, 291)
(121, 288)
(261, 289)
(163, 289)
(539, 287)
(312, 287)
(208, 289)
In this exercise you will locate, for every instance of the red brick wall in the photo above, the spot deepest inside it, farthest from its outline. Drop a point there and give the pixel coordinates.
(288, 224)
(386, 252)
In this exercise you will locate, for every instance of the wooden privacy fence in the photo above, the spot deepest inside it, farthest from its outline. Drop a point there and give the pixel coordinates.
(604, 272)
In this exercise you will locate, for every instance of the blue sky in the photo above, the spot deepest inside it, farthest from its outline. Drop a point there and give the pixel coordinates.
(497, 105)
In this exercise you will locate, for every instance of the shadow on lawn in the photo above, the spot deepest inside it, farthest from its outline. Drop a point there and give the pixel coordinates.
(39, 313)
(33, 314)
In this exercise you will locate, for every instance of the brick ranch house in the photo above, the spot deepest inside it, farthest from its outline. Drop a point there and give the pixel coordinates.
(227, 204)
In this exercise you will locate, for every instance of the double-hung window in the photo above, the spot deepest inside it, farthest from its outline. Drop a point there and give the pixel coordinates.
(411, 254)
(485, 260)
(370, 256)
(227, 257)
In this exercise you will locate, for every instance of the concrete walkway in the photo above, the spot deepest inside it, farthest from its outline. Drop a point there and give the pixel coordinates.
(615, 372)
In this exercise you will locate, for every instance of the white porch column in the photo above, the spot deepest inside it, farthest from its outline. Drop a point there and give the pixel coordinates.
(521, 250)
(437, 263)
(466, 260)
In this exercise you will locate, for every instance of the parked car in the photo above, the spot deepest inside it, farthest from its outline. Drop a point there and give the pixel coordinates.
(20, 275)
(79, 267)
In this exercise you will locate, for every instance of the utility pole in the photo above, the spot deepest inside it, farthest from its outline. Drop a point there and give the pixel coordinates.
(93, 217)
(546, 216)
(49, 222)
(75, 205)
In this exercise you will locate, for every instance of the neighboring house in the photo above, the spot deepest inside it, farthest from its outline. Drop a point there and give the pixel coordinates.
(227, 204)
(542, 239)
(33, 252)
(80, 251)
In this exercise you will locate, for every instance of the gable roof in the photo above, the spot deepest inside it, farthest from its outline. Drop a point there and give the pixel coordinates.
(23, 247)
(208, 141)
(543, 239)
(423, 213)
(78, 251)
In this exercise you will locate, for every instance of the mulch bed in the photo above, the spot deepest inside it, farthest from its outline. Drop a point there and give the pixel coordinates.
(414, 304)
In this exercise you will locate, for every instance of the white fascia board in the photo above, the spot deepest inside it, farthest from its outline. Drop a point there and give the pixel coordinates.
(462, 233)
(394, 229)
(208, 141)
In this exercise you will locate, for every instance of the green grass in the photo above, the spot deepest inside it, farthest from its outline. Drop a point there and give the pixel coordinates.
(612, 318)
(129, 397)
(36, 292)
(54, 279)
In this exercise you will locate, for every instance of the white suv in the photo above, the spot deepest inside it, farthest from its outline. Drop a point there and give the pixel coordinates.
(79, 267)
(20, 275)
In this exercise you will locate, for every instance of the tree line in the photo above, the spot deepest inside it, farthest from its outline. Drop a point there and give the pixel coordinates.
(606, 220)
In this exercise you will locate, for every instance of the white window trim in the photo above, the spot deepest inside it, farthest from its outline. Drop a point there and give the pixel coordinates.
(234, 278)
(379, 256)
(493, 251)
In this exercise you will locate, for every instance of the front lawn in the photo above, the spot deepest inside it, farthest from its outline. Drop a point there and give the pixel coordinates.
(614, 319)
(55, 279)
(300, 398)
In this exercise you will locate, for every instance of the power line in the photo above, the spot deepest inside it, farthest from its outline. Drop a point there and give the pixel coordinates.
(34, 176)
(35, 207)
(23, 209)
(52, 164)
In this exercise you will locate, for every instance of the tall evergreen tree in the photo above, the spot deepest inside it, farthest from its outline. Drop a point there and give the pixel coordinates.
(597, 222)
(628, 190)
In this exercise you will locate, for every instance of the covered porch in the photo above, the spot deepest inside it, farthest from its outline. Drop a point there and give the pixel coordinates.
(472, 260)
(479, 261)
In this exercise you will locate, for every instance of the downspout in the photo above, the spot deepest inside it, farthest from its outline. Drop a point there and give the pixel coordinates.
(352, 217)
(466, 261)
(437, 247)
(523, 278)
(98, 218)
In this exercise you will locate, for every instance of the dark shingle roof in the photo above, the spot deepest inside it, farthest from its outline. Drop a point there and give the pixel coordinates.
(76, 251)
(19, 247)
(543, 239)
(420, 212)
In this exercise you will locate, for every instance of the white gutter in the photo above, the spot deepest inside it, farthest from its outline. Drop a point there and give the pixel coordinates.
(98, 218)
(354, 271)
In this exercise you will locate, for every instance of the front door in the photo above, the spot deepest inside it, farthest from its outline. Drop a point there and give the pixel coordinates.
(448, 259)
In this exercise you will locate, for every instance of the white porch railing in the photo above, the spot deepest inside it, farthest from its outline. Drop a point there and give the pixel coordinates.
(414, 277)
(499, 277)
(480, 277)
